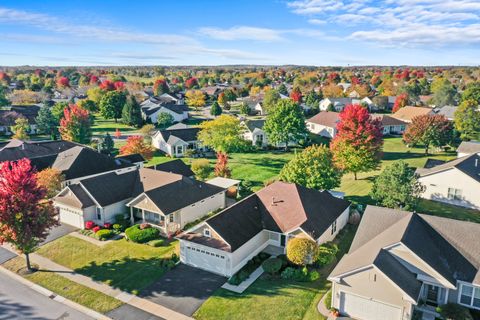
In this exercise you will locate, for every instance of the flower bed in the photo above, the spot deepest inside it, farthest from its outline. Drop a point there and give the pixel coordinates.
(247, 269)
(142, 233)
(101, 233)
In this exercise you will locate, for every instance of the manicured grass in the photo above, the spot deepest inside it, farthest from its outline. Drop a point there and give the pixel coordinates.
(121, 264)
(101, 126)
(64, 287)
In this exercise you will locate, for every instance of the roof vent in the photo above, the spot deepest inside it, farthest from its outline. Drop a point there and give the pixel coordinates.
(476, 163)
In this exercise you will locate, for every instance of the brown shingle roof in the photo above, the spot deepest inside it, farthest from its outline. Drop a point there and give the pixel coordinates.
(408, 113)
(326, 118)
(387, 120)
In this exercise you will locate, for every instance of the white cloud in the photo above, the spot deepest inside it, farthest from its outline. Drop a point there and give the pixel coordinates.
(241, 33)
(317, 21)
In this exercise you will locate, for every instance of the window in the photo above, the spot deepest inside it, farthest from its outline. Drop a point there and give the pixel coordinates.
(334, 226)
(99, 213)
(454, 194)
(170, 219)
(470, 296)
(206, 232)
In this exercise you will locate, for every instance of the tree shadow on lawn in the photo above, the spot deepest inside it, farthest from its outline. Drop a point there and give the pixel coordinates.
(127, 274)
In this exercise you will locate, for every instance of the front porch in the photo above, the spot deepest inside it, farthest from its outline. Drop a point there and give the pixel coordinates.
(431, 296)
(165, 224)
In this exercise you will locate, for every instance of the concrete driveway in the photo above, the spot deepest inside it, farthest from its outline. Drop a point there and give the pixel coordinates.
(58, 232)
(183, 289)
(6, 255)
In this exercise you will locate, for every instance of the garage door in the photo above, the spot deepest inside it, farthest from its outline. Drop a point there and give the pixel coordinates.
(205, 259)
(71, 217)
(365, 309)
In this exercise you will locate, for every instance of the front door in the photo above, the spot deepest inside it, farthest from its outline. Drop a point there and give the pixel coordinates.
(432, 294)
(282, 240)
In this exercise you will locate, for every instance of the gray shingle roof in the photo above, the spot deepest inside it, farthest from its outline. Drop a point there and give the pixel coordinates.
(470, 165)
(469, 147)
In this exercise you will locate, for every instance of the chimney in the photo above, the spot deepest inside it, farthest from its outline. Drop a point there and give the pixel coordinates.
(273, 201)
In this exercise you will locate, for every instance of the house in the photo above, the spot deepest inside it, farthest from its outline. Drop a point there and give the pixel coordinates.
(166, 200)
(339, 104)
(447, 111)
(407, 113)
(467, 148)
(455, 182)
(254, 132)
(12, 113)
(73, 160)
(133, 159)
(391, 125)
(175, 142)
(176, 166)
(402, 263)
(155, 105)
(225, 242)
(324, 123)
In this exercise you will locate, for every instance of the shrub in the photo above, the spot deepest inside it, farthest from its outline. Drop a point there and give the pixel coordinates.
(175, 258)
(453, 311)
(201, 168)
(145, 226)
(288, 273)
(121, 220)
(96, 229)
(107, 225)
(299, 274)
(117, 227)
(156, 243)
(138, 235)
(104, 234)
(326, 254)
(301, 251)
(89, 225)
(328, 300)
(272, 266)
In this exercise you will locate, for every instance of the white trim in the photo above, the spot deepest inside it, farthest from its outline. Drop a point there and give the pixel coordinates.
(144, 194)
(474, 287)
(372, 300)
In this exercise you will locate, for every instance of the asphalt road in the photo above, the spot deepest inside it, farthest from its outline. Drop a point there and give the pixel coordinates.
(18, 301)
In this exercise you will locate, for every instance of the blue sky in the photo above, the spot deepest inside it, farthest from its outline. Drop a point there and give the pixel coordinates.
(214, 32)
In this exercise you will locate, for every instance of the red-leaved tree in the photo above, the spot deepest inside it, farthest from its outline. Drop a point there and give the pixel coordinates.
(136, 144)
(119, 85)
(160, 87)
(221, 166)
(358, 144)
(191, 82)
(25, 215)
(429, 130)
(400, 102)
(76, 124)
(107, 85)
(4, 77)
(93, 79)
(296, 95)
(63, 82)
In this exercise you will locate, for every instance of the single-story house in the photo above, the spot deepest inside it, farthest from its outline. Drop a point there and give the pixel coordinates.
(12, 113)
(254, 132)
(447, 111)
(175, 142)
(339, 104)
(455, 182)
(391, 125)
(402, 263)
(167, 201)
(134, 159)
(174, 166)
(155, 105)
(407, 113)
(225, 242)
(324, 123)
(230, 185)
(467, 148)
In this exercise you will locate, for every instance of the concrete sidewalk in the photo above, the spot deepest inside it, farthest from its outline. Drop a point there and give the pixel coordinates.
(148, 306)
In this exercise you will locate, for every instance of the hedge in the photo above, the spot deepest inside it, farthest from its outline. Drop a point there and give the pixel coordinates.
(272, 266)
(104, 234)
(135, 234)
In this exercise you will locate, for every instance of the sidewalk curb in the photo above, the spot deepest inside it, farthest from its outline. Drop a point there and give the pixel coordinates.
(58, 298)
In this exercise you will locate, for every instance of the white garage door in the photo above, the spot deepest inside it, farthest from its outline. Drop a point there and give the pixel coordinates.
(71, 217)
(205, 259)
(365, 309)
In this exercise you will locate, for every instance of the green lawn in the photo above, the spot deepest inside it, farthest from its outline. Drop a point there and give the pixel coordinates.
(101, 126)
(274, 299)
(71, 290)
(121, 264)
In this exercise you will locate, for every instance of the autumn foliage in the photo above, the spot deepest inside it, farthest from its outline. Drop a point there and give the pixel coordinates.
(429, 130)
(75, 124)
(400, 102)
(191, 82)
(25, 216)
(296, 95)
(136, 144)
(160, 86)
(221, 166)
(107, 85)
(63, 82)
(51, 179)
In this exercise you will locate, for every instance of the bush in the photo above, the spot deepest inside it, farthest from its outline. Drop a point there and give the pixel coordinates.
(247, 269)
(121, 220)
(107, 226)
(453, 311)
(326, 254)
(145, 226)
(301, 251)
(328, 300)
(299, 274)
(104, 234)
(201, 168)
(272, 266)
(89, 225)
(96, 229)
(117, 227)
(156, 243)
(138, 235)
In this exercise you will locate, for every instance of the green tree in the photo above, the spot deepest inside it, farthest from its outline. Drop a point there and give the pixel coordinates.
(131, 113)
(215, 110)
(57, 110)
(467, 119)
(164, 120)
(3, 98)
(87, 104)
(244, 108)
(111, 104)
(444, 94)
(20, 129)
(46, 122)
(223, 134)
(285, 123)
(270, 100)
(313, 99)
(282, 89)
(397, 187)
(201, 168)
(313, 168)
(107, 144)
(472, 92)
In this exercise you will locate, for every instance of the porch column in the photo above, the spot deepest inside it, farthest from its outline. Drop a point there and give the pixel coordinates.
(132, 219)
(143, 215)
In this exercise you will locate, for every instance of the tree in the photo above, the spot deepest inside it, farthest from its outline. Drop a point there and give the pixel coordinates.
(222, 99)
(25, 216)
(57, 110)
(296, 95)
(95, 94)
(160, 87)
(454, 311)
(301, 251)
(221, 166)
(3, 98)
(215, 110)
(332, 91)
(244, 108)
(472, 92)
(313, 99)
(313, 168)
(87, 104)
(358, 144)
(131, 113)
(444, 94)
(136, 144)
(282, 89)
(46, 122)
(285, 123)
(467, 119)
(51, 179)
(191, 82)
(20, 129)
(107, 144)
(195, 98)
(429, 130)
(164, 120)
(111, 104)
(270, 100)
(76, 125)
(63, 82)
(201, 168)
(400, 102)
(397, 187)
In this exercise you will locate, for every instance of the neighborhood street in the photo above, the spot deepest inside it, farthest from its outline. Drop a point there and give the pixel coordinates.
(17, 301)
